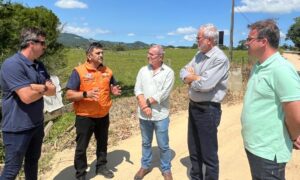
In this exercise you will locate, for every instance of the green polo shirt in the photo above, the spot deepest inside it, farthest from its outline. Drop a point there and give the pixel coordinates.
(263, 129)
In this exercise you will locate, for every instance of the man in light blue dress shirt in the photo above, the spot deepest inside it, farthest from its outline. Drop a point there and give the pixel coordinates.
(153, 86)
(207, 76)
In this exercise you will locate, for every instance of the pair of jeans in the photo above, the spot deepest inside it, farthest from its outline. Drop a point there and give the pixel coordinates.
(19, 145)
(85, 128)
(161, 129)
(264, 169)
(204, 119)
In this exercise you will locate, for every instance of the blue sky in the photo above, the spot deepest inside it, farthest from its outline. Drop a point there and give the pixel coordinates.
(167, 22)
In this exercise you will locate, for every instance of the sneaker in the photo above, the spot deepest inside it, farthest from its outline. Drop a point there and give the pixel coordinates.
(102, 170)
(167, 175)
(141, 173)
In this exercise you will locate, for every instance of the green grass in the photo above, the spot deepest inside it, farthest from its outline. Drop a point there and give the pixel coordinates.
(60, 126)
(126, 64)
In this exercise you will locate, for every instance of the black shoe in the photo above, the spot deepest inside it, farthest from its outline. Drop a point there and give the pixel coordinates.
(81, 177)
(102, 170)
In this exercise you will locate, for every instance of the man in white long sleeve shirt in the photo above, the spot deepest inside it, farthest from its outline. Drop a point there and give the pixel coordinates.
(153, 86)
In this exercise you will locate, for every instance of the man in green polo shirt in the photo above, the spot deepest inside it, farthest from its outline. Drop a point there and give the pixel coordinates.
(271, 112)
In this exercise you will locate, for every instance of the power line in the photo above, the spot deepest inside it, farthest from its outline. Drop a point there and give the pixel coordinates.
(244, 15)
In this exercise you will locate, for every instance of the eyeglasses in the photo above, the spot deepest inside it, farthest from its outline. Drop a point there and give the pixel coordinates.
(150, 54)
(249, 39)
(198, 38)
(43, 43)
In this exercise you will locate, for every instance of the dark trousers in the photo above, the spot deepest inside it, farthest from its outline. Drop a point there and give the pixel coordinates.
(263, 169)
(204, 119)
(85, 127)
(26, 144)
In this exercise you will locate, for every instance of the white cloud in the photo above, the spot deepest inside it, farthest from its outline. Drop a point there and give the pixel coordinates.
(130, 34)
(101, 31)
(160, 37)
(70, 4)
(268, 6)
(183, 30)
(282, 35)
(76, 30)
(190, 37)
(84, 31)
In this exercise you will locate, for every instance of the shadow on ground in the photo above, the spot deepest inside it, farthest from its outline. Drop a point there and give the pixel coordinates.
(115, 158)
(187, 163)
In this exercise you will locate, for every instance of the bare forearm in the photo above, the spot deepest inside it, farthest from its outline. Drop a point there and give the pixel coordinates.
(141, 101)
(29, 95)
(292, 118)
(72, 95)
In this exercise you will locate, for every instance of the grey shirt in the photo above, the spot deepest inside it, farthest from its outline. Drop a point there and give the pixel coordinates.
(158, 86)
(213, 69)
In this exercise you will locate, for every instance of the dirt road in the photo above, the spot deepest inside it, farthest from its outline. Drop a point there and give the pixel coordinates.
(124, 159)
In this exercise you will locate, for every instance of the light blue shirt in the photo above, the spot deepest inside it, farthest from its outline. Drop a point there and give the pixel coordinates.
(158, 86)
(213, 69)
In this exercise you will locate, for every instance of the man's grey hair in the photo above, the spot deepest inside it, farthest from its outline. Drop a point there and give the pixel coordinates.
(30, 34)
(160, 49)
(210, 31)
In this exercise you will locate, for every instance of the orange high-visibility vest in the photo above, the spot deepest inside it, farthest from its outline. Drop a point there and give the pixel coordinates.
(89, 79)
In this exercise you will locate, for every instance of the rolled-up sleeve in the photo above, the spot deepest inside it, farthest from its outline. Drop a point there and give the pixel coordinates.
(166, 90)
(138, 88)
(183, 72)
(210, 78)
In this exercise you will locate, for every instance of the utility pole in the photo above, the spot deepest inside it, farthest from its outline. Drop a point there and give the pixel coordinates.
(231, 31)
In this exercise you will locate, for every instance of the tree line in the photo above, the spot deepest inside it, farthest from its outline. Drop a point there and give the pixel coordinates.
(14, 17)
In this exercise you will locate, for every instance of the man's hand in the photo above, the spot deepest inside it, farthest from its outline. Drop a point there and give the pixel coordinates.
(147, 111)
(51, 89)
(93, 94)
(190, 70)
(190, 78)
(297, 143)
(115, 90)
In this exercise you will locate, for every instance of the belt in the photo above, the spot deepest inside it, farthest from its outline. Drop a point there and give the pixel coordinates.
(206, 103)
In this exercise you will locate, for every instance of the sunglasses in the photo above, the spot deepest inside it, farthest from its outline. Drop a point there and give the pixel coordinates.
(43, 43)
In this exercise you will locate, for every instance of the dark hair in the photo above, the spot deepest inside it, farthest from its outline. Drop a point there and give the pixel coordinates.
(30, 34)
(92, 46)
(267, 29)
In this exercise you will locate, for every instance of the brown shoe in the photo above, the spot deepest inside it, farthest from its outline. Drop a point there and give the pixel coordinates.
(167, 175)
(141, 173)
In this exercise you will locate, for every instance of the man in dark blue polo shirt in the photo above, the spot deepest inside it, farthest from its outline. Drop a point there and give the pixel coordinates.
(24, 81)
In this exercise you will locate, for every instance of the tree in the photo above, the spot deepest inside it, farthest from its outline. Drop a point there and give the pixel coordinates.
(241, 45)
(294, 33)
(15, 17)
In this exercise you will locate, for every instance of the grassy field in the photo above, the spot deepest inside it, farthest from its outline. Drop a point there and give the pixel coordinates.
(126, 64)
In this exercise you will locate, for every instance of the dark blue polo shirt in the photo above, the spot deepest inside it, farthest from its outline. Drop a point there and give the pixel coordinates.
(17, 72)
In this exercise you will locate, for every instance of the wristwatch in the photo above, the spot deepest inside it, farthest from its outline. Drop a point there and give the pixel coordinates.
(84, 94)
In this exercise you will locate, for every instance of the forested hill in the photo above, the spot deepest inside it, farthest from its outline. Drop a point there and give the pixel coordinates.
(75, 41)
